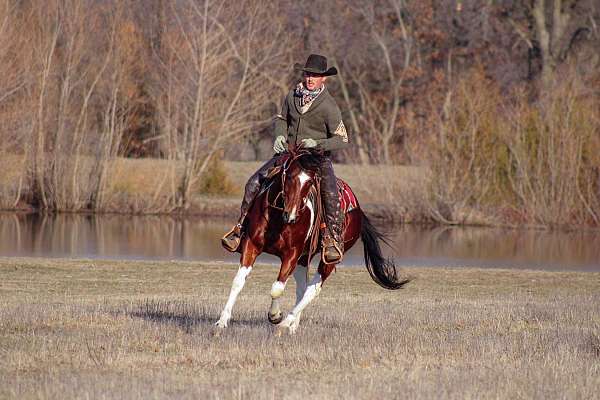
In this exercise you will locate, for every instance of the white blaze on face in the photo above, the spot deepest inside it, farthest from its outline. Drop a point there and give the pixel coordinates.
(309, 204)
(303, 177)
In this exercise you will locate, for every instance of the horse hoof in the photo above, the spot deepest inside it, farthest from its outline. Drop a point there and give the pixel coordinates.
(216, 332)
(275, 319)
(220, 324)
(282, 329)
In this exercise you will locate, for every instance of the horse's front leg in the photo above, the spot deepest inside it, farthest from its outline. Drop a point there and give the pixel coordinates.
(249, 254)
(288, 264)
(312, 290)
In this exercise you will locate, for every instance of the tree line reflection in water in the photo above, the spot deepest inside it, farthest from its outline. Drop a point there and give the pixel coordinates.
(195, 238)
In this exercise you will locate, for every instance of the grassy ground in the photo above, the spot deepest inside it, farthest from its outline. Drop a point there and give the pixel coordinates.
(143, 330)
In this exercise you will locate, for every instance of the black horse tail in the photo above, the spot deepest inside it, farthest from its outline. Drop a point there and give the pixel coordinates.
(382, 270)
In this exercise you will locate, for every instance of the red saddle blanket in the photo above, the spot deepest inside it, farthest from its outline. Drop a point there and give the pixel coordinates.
(348, 200)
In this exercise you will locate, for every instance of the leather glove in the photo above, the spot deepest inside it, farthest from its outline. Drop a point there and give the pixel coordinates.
(279, 145)
(309, 143)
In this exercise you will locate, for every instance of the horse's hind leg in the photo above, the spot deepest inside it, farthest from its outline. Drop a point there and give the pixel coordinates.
(301, 278)
(249, 254)
(312, 290)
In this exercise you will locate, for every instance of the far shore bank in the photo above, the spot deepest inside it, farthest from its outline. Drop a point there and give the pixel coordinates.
(143, 186)
(217, 207)
(389, 194)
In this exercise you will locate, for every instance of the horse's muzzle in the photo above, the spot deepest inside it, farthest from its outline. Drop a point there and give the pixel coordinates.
(289, 218)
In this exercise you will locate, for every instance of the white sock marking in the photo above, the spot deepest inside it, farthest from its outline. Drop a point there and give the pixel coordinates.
(236, 288)
(292, 319)
(311, 292)
(277, 289)
(300, 278)
(300, 275)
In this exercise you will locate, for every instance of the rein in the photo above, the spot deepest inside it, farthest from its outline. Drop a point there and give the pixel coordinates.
(286, 165)
(319, 217)
(315, 192)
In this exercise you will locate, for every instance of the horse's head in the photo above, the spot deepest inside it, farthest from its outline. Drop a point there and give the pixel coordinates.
(298, 177)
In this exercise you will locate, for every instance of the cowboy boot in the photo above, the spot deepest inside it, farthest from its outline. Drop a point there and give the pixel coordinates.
(232, 239)
(332, 249)
(333, 244)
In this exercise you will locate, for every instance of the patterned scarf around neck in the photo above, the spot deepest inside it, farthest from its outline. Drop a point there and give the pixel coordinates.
(306, 96)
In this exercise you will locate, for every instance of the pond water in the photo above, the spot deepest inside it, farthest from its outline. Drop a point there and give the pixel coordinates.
(193, 238)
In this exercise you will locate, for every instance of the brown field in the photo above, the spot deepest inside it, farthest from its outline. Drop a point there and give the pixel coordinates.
(143, 330)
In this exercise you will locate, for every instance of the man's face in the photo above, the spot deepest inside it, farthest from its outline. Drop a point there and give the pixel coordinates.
(313, 81)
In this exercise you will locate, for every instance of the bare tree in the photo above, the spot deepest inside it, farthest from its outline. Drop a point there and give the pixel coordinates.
(379, 64)
(552, 29)
(13, 78)
(70, 177)
(15, 127)
(213, 82)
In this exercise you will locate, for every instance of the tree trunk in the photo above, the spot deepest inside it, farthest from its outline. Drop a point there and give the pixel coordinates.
(363, 156)
(551, 36)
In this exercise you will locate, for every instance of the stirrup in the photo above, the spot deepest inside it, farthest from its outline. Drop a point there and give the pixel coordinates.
(232, 239)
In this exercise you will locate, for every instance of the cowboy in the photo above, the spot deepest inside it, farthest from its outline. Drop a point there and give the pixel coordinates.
(310, 118)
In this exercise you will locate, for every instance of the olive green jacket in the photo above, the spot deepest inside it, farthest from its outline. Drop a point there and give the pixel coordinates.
(321, 122)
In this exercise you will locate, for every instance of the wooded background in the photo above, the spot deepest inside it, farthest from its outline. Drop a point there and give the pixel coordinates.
(498, 99)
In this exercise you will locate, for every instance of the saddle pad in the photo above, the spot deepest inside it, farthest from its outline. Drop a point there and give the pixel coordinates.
(348, 200)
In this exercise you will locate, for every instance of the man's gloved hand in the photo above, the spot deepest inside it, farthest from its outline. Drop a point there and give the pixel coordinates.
(309, 143)
(279, 145)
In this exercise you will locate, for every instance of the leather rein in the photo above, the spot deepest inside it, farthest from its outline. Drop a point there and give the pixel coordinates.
(286, 165)
(313, 240)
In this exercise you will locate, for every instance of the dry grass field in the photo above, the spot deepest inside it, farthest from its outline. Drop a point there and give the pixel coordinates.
(143, 330)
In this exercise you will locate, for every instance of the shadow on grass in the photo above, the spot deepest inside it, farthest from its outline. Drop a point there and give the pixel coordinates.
(184, 315)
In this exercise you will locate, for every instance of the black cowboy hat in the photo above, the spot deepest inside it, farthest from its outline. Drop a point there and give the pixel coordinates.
(316, 64)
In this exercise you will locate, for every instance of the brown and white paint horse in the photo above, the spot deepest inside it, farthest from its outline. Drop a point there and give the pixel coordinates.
(290, 233)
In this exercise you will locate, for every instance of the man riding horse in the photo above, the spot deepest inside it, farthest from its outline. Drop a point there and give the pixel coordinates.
(309, 118)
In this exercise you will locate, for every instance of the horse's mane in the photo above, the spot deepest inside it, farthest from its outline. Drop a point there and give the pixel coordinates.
(308, 160)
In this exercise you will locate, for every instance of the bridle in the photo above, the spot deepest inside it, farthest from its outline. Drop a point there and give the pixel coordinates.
(285, 167)
(315, 192)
